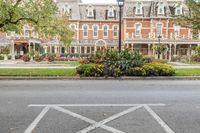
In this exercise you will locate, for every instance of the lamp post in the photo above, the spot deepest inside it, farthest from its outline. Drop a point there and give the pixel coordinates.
(120, 4)
(159, 47)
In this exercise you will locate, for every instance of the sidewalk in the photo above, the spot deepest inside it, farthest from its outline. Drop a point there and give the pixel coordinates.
(184, 65)
(21, 64)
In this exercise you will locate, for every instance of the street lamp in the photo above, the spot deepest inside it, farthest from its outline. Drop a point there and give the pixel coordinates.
(120, 4)
(159, 48)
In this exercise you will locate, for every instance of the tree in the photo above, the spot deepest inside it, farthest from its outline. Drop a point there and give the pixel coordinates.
(192, 18)
(42, 15)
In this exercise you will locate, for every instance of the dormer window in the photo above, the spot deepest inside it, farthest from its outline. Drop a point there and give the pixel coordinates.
(178, 10)
(111, 12)
(139, 8)
(161, 8)
(66, 9)
(90, 11)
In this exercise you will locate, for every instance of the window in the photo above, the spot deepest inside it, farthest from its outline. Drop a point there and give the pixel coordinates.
(159, 29)
(95, 31)
(177, 30)
(90, 11)
(85, 31)
(139, 8)
(105, 31)
(111, 12)
(161, 8)
(115, 31)
(138, 29)
(178, 10)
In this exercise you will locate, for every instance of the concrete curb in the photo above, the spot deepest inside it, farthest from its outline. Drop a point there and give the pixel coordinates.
(99, 78)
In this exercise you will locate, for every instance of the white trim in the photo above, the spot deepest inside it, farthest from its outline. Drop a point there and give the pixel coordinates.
(138, 23)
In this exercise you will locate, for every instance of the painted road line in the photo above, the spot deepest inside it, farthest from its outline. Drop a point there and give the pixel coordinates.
(99, 124)
(37, 120)
(93, 105)
(113, 130)
(159, 120)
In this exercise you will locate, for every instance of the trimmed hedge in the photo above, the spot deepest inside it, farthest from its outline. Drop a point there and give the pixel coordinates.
(90, 70)
(150, 69)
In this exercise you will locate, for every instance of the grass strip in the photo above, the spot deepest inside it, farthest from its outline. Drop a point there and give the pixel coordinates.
(37, 72)
(188, 72)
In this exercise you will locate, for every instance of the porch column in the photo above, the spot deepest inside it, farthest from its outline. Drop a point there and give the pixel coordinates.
(85, 49)
(56, 49)
(50, 49)
(34, 48)
(75, 49)
(95, 49)
(170, 52)
(132, 45)
(149, 49)
(13, 50)
(175, 50)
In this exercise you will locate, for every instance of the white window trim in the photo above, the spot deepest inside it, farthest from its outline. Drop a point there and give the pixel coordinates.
(179, 7)
(111, 9)
(157, 29)
(114, 31)
(161, 6)
(84, 31)
(97, 31)
(107, 31)
(140, 29)
(140, 8)
(90, 9)
(177, 31)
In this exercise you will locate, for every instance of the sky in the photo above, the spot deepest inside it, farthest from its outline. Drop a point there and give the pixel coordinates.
(99, 1)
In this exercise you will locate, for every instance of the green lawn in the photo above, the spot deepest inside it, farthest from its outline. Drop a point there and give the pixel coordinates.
(37, 72)
(188, 72)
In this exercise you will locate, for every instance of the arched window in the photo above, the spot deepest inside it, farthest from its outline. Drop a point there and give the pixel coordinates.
(105, 31)
(178, 10)
(115, 31)
(95, 31)
(111, 12)
(159, 28)
(138, 28)
(139, 7)
(85, 31)
(161, 8)
(177, 30)
(90, 11)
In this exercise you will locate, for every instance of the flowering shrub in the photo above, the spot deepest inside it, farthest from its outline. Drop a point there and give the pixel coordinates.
(26, 58)
(90, 70)
(50, 58)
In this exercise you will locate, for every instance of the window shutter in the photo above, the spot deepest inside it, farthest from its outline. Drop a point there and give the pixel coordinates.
(115, 15)
(94, 11)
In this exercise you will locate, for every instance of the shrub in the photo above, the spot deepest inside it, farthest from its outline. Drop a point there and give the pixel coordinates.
(50, 58)
(26, 58)
(160, 61)
(176, 58)
(90, 70)
(1, 57)
(158, 69)
(149, 59)
(38, 58)
(195, 58)
(136, 71)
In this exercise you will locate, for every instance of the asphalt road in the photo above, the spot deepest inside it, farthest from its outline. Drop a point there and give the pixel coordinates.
(99, 106)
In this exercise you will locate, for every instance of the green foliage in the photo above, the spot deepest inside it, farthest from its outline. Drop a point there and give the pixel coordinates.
(90, 70)
(192, 19)
(1, 57)
(38, 58)
(5, 50)
(160, 49)
(197, 50)
(158, 69)
(26, 58)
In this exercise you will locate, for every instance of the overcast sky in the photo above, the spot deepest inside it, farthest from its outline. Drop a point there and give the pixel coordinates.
(99, 1)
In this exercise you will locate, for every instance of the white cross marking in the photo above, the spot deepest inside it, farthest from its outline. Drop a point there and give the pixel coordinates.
(102, 123)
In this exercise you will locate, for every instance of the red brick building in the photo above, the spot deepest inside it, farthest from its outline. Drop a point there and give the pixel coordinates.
(96, 26)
